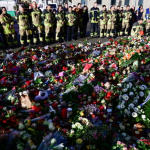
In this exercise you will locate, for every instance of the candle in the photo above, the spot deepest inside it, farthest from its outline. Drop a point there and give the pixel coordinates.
(69, 112)
(64, 112)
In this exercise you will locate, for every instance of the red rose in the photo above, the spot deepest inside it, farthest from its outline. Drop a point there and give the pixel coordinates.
(61, 81)
(108, 94)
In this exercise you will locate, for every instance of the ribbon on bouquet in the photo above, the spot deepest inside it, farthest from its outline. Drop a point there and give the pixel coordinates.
(146, 100)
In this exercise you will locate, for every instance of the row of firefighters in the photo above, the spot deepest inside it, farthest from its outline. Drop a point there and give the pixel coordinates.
(64, 24)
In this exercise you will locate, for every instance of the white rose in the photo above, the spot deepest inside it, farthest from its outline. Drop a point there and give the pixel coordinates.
(125, 97)
(131, 93)
(141, 88)
(131, 105)
(134, 114)
(144, 86)
(141, 94)
(122, 106)
(135, 101)
(136, 109)
(125, 90)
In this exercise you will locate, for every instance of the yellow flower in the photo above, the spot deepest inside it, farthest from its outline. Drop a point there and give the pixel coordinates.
(79, 141)
(81, 113)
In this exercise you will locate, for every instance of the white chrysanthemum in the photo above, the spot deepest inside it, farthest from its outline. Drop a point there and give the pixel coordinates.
(134, 114)
(136, 109)
(141, 88)
(141, 94)
(125, 97)
(131, 93)
(125, 90)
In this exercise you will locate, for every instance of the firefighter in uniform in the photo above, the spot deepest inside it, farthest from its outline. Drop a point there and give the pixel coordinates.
(118, 20)
(60, 16)
(85, 20)
(147, 27)
(127, 16)
(8, 23)
(79, 21)
(94, 16)
(22, 18)
(36, 24)
(71, 18)
(103, 21)
(137, 28)
(49, 19)
(111, 16)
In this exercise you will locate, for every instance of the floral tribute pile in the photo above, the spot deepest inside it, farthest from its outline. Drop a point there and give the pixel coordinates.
(78, 97)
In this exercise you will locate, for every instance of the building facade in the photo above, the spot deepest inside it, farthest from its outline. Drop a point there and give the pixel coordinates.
(108, 3)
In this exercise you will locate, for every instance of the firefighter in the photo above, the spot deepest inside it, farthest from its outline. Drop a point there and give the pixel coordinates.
(94, 16)
(118, 20)
(48, 17)
(71, 18)
(147, 26)
(127, 16)
(36, 24)
(85, 20)
(9, 31)
(111, 16)
(65, 9)
(60, 16)
(22, 18)
(137, 28)
(79, 21)
(103, 21)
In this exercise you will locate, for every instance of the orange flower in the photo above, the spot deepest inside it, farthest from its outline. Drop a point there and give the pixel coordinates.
(138, 50)
(133, 53)
(96, 60)
(124, 57)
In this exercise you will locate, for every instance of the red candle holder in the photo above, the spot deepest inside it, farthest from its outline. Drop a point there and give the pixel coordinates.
(64, 113)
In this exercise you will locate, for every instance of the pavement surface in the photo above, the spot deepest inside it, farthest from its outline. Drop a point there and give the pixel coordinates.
(79, 40)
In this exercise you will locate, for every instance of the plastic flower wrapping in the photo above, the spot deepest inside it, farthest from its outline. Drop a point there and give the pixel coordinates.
(86, 96)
